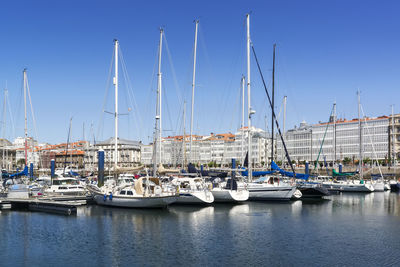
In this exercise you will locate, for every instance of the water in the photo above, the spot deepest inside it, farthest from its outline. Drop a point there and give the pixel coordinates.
(346, 229)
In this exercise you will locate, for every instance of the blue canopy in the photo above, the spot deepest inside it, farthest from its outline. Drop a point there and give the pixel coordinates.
(289, 174)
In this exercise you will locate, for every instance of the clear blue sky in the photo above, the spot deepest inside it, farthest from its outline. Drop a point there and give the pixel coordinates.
(325, 51)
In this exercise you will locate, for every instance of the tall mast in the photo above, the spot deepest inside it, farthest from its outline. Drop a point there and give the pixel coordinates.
(26, 121)
(158, 130)
(66, 148)
(4, 124)
(273, 100)
(116, 43)
(266, 141)
(284, 122)
(193, 84)
(184, 136)
(159, 75)
(360, 137)
(393, 151)
(242, 124)
(334, 135)
(248, 100)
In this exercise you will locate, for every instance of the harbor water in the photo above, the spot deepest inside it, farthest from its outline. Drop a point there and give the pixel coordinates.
(344, 229)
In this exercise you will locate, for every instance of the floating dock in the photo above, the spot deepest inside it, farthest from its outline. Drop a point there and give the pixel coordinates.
(59, 205)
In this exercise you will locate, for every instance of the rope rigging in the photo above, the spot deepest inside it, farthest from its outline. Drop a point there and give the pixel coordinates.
(323, 140)
(272, 110)
(101, 120)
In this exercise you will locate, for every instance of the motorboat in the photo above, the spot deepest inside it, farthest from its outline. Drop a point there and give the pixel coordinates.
(65, 186)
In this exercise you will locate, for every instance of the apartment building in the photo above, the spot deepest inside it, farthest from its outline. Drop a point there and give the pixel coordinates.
(337, 140)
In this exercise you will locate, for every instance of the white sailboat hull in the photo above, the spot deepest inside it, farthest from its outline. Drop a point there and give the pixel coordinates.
(348, 187)
(357, 188)
(266, 192)
(135, 202)
(201, 197)
(331, 186)
(379, 187)
(227, 195)
(387, 186)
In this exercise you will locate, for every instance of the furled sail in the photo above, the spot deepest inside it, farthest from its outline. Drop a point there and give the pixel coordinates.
(274, 166)
(335, 173)
(23, 173)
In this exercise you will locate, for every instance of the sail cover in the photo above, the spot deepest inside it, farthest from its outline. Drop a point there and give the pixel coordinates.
(335, 173)
(257, 173)
(274, 166)
(23, 173)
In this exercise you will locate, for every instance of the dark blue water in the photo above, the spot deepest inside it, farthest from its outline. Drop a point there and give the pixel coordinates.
(345, 230)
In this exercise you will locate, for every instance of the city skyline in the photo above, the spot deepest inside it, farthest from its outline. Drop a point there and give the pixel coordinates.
(324, 54)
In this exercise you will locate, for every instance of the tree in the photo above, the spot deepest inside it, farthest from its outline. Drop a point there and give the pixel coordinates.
(367, 160)
(346, 160)
(21, 163)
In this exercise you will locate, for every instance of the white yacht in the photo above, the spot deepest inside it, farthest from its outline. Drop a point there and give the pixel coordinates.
(226, 191)
(193, 191)
(356, 186)
(65, 186)
(348, 186)
(18, 191)
(126, 179)
(271, 188)
(345, 185)
(144, 193)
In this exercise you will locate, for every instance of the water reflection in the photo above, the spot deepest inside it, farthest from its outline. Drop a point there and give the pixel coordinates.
(344, 229)
(377, 203)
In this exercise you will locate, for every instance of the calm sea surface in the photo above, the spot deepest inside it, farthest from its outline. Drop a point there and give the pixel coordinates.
(343, 230)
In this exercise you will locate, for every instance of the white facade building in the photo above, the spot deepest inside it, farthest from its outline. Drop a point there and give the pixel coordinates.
(128, 153)
(339, 140)
(217, 148)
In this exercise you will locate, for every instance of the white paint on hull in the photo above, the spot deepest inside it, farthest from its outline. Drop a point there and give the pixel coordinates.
(227, 195)
(135, 202)
(200, 197)
(267, 192)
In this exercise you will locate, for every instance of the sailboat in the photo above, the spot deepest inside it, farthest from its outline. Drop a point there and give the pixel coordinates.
(231, 189)
(268, 187)
(226, 190)
(358, 185)
(21, 187)
(192, 190)
(145, 192)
